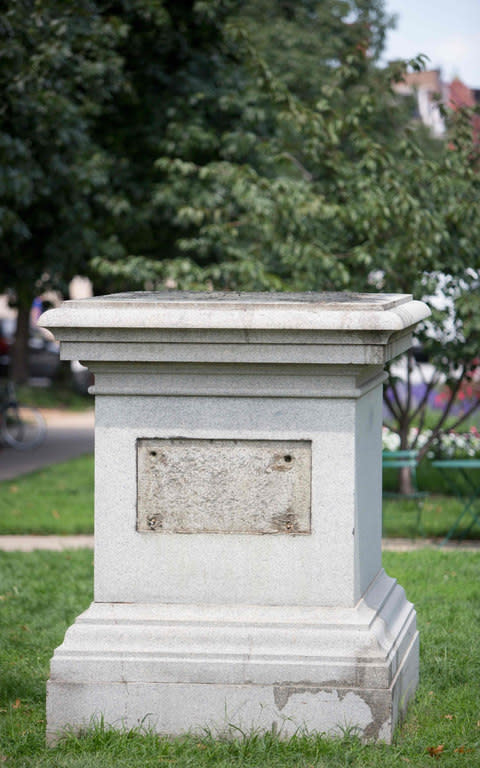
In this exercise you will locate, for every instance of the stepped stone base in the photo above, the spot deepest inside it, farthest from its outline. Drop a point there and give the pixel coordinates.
(180, 668)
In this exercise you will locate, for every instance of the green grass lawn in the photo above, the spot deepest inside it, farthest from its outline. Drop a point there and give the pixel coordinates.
(59, 500)
(438, 513)
(58, 395)
(42, 592)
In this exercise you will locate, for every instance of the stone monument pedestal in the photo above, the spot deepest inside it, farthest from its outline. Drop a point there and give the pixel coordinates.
(238, 576)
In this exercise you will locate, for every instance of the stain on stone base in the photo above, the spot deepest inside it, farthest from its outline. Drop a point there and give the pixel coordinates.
(369, 713)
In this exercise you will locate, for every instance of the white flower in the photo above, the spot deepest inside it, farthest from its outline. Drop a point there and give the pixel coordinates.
(449, 445)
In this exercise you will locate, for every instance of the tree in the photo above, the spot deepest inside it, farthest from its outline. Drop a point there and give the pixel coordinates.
(239, 145)
(266, 199)
(173, 54)
(447, 231)
(58, 66)
(230, 136)
(85, 91)
(115, 86)
(327, 187)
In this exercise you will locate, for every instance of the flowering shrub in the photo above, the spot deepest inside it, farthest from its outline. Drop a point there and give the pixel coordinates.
(451, 445)
(467, 395)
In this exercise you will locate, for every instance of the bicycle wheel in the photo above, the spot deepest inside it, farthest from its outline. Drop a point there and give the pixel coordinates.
(23, 427)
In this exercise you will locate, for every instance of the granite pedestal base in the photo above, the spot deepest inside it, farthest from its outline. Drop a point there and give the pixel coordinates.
(238, 503)
(181, 668)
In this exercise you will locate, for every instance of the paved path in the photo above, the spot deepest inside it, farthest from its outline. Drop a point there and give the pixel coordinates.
(69, 434)
(29, 543)
(58, 543)
(409, 545)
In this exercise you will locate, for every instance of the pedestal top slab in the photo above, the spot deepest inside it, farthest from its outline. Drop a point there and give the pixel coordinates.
(233, 310)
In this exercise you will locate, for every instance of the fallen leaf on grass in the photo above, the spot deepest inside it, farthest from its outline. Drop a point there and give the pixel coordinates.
(3, 758)
(435, 751)
(462, 749)
(13, 489)
(448, 717)
(55, 514)
(17, 704)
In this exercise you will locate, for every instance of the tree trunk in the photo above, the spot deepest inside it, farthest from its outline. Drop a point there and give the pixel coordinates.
(19, 363)
(405, 481)
(404, 473)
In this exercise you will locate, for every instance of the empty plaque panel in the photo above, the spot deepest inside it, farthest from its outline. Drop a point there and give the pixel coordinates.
(223, 486)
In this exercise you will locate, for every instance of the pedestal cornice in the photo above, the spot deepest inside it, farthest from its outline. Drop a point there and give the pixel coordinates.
(280, 328)
(255, 311)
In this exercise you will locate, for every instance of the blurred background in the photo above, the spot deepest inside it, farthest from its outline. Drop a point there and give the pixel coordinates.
(235, 145)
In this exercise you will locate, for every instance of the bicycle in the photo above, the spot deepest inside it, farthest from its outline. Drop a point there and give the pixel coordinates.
(21, 426)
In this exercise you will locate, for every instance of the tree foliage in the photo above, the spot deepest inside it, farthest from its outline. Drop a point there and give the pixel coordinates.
(438, 259)
(238, 145)
(256, 133)
(85, 89)
(58, 67)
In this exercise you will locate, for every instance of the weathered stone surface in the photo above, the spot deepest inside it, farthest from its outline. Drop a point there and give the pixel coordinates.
(247, 666)
(223, 486)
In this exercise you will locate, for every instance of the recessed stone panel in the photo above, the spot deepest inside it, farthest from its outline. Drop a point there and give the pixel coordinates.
(223, 486)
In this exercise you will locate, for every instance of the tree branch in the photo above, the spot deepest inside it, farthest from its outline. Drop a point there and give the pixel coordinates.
(466, 414)
(305, 173)
(388, 402)
(396, 397)
(446, 412)
(429, 386)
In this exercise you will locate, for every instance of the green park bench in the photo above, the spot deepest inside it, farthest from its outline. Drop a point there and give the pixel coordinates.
(400, 460)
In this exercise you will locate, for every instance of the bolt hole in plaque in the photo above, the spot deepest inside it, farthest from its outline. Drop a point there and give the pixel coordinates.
(224, 486)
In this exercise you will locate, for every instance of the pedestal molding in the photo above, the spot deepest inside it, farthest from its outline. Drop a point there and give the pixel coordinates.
(234, 380)
(262, 644)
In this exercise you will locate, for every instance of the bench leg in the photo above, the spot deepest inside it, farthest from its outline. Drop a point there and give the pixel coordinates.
(420, 528)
